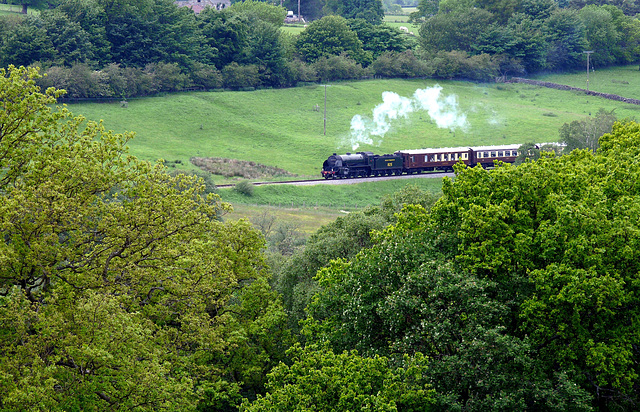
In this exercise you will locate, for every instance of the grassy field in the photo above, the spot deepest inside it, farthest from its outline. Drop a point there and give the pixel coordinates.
(285, 128)
(621, 80)
(15, 9)
(310, 207)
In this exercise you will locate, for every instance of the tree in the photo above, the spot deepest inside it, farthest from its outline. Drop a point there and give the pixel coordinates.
(321, 380)
(369, 10)
(455, 30)
(120, 287)
(378, 39)
(27, 43)
(584, 134)
(260, 10)
(330, 36)
(601, 34)
(555, 235)
(71, 41)
(565, 36)
(425, 9)
(226, 36)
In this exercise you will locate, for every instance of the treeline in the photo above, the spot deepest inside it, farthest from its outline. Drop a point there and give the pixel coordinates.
(124, 48)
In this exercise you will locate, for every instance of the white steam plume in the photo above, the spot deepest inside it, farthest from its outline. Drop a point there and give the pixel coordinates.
(443, 110)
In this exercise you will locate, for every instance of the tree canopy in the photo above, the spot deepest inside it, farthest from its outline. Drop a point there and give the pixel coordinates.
(120, 286)
(520, 281)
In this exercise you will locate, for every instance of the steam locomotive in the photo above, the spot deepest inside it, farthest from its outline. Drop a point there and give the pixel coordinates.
(366, 164)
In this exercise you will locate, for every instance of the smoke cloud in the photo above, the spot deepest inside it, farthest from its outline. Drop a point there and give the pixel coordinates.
(443, 111)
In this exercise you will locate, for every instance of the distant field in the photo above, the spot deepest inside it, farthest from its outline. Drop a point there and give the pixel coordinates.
(621, 80)
(14, 9)
(284, 128)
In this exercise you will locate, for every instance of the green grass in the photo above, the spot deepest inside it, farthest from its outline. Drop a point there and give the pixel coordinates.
(621, 80)
(293, 28)
(12, 9)
(310, 207)
(307, 220)
(348, 197)
(281, 128)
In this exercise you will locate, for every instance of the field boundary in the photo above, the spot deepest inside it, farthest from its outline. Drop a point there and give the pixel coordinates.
(577, 89)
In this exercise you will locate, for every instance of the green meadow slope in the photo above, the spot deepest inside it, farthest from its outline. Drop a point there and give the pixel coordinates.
(285, 128)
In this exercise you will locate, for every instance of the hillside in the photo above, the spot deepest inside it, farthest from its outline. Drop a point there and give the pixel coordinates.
(285, 127)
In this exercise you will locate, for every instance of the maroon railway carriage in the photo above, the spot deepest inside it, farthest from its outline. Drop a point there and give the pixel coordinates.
(427, 160)
(443, 159)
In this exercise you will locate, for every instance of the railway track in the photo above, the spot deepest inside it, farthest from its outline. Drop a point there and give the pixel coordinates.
(308, 182)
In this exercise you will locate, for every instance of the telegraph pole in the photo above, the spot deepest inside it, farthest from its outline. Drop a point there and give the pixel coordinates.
(325, 108)
(588, 53)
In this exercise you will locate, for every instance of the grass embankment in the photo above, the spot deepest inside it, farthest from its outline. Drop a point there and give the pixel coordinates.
(310, 207)
(284, 128)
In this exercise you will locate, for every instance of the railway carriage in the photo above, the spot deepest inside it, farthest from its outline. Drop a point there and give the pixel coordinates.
(427, 160)
(485, 155)
(365, 164)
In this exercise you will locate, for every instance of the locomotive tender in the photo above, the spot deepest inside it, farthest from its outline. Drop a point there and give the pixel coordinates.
(366, 164)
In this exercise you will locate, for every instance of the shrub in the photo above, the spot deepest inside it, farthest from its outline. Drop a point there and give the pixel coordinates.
(340, 67)
(244, 187)
(206, 76)
(235, 76)
(404, 64)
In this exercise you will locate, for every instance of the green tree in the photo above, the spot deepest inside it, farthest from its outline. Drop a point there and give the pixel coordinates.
(27, 43)
(226, 36)
(455, 30)
(321, 380)
(330, 36)
(601, 34)
(425, 9)
(260, 10)
(370, 10)
(566, 38)
(378, 39)
(120, 286)
(71, 42)
(584, 134)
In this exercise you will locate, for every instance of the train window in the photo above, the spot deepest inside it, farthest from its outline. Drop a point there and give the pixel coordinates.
(455, 156)
(500, 154)
(514, 153)
(493, 154)
(465, 156)
(412, 159)
(426, 158)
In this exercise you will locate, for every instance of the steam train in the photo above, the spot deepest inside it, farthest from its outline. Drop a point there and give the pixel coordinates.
(366, 164)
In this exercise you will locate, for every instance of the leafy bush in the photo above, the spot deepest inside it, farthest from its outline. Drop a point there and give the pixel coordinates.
(337, 68)
(405, 64)
(244, 187)
(235, 76)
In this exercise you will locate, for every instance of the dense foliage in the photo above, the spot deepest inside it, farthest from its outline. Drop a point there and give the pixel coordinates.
(120, 287)
(520, 286)
(123, 48)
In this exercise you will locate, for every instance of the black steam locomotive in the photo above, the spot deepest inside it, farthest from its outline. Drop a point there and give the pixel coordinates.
(366, 164)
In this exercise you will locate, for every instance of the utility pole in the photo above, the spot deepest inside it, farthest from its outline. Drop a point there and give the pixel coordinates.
(325, 109)
(588, 53)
